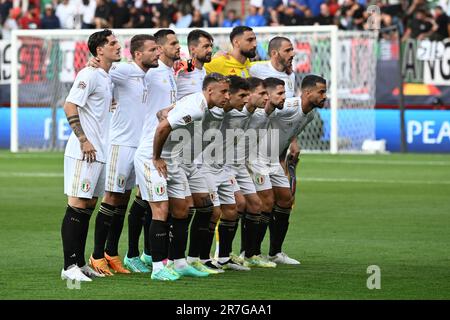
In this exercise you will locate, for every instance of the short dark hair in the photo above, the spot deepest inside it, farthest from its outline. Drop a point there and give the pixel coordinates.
(98, 39)
(237, 83)
(311, 80)
(237, 31)
(161, 35)
(275, 43)
(195, 35)
(272, 83)
(137, 42)
(255, 82)
(214, 77)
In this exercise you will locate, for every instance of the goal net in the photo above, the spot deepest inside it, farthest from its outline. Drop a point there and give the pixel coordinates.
(47, 62)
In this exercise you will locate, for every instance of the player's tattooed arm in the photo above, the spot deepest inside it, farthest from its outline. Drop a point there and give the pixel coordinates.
(73, 118)
(74, 122)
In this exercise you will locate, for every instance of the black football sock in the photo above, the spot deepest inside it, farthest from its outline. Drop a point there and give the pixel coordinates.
(262, 228)
(278, 228)
(241, 216)
(227, 228)
(135, 222)
(158, 234)
(199, 230)
(102, 225)
(179, 232)
(169, 252)
(251, 233)
(87, 213)
(147, 222)
(112, 242)
(75, 223)
(205, 247)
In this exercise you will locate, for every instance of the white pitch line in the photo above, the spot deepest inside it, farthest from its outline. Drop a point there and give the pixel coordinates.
(380, 162)
(351, 180)
(299, 179)
(31, 175)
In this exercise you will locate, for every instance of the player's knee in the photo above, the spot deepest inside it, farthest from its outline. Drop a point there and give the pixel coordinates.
(216, 214)
(267, 200)
(229, 211)
(240, 202)
(254, 204)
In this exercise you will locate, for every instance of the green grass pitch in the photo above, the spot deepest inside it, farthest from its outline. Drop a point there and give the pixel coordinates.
(351, 212)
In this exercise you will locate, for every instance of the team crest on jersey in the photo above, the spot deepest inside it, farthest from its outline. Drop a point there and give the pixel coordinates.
(81, 85)
(121, 181)
(187, 119)
(86, 185)
(243, 74)
(259, 179)
(160, 189)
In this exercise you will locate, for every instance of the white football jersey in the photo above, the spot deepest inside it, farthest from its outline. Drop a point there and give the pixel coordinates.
(190, 82)
(162, 93)
(289, 122)
(259, 123)
(236, 121)
(92, 93)
(265, 70)
(131, 95)
(210, 126)
(186, 111)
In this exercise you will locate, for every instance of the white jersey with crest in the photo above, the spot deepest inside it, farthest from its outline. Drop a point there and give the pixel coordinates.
(92, 93)
(131, 95)
(190, 82)
(162, 93)
(289, 122)
(265, 70)
(186, 111)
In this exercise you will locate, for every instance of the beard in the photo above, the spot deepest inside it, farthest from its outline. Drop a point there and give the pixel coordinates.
(205, 59)
(150, 64)
(249, 54)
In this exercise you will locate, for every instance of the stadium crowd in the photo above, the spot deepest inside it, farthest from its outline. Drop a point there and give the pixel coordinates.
(418, 19)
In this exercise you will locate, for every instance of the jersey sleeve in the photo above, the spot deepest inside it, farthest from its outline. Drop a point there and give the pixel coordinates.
(119, 73)
(82, 88)
(291, 106)
(216, 65)
(186, 111)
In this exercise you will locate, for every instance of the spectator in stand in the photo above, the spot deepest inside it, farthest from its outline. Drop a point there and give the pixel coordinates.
(333, 6)
(443, 26)
(5, 6)
(10, 23)
(420, 27)
(273, 10)
(167, 12)
(184, 16)
(137, 18)
(31, 19)
(87, 11)
(50, 20)
(213, 19)
(324, 18)
(120, 15)
(313, 5)
(66, 12)
(197, 20)
(204, 6)
(231, 20)
(218, 5)
(102, 15)
(289, 18)
(351, 16)
(255, 17)
(308, 18)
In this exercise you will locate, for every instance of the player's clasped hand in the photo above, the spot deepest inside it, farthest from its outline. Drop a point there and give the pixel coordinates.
(161, 166)
(88, 151)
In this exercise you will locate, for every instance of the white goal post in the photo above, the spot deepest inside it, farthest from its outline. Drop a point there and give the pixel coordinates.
(45, 62)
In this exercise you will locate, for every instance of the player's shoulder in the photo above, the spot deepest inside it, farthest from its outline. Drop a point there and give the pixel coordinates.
(258, 68)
